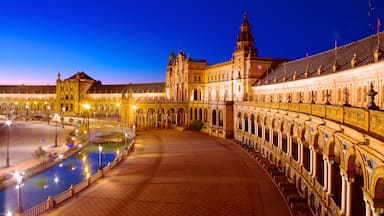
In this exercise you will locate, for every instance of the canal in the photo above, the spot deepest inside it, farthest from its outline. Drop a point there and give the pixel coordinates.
(58, 178)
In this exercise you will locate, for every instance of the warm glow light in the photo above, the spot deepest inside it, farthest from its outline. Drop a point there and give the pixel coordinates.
(8, 122)
(19, 177)
(100, 148)
(134, 107)
(86, 106)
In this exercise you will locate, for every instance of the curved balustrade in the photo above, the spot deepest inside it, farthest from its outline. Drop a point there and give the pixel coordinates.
(331, 154)
(72, 190)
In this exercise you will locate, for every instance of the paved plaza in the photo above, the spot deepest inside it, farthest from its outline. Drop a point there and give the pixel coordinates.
(180, 173)
(25, 138)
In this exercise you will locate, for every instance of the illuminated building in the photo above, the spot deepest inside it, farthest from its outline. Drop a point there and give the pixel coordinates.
(318, 119)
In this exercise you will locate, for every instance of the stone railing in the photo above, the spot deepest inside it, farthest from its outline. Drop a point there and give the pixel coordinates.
(361, 118)
(51, 202)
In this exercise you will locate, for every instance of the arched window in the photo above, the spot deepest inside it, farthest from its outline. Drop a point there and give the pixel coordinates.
(213, 117)
(221, 118)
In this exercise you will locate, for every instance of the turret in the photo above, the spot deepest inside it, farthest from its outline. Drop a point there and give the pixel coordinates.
(171, 58)
(245, 41)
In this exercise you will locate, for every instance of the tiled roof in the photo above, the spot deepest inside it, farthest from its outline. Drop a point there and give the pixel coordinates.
(27, 89)
(120, 88)
(362, 49)
(80, 76)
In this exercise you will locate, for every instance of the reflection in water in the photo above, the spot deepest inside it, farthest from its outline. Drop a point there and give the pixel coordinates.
(54, 180)
(41, 182)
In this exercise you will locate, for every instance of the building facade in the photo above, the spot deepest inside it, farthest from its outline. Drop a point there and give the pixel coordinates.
(318, 119)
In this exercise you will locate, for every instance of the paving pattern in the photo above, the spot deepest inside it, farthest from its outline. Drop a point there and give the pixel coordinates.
(180, 173)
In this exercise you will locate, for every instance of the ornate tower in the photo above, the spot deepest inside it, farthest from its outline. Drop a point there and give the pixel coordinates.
(245, 41)
(242, 56)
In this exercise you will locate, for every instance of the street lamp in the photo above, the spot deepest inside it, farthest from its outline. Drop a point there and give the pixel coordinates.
(100, 159)
(56, 116)
(19, 179)
(8, 123)
(63, 109)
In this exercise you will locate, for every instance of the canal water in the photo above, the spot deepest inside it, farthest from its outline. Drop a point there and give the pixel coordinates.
(55, 180)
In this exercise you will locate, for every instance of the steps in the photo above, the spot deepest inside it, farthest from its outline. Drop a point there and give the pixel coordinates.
(297, 204)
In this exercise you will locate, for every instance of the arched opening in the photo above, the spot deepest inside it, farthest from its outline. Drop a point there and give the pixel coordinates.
(306, 157)
(320, 168)
(239, 121)
(252, 120)
(336, 183)
(295, 149)
(180, 117)
(275, 138)
(355, 171)
(267, 136)
(259, 130)
(221, 118)
(284, 143)
(379, 189)
(151, 118)
(246, 122)
(214, 117)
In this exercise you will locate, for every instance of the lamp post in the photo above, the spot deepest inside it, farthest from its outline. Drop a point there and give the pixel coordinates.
(88, 107)
(62, 116)
(19, 179)
(8, 122)
(56, 116)
(100, 159)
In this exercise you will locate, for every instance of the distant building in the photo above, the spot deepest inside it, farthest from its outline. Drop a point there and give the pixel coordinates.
(318, 119)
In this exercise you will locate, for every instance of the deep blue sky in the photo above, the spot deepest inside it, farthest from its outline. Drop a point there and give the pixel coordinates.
(119, 41)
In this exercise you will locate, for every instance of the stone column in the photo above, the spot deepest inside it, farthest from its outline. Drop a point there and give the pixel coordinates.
(301, 155)
(313, 162)
(367, 208)
(343, 193)
(325, 170)
(330, 186)
(289, 143)
(349, 196)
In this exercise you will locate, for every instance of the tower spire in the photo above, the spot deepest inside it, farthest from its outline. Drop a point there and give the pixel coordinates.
(245, 41)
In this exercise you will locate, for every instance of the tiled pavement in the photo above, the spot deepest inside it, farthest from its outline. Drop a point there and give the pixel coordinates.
(181, 173)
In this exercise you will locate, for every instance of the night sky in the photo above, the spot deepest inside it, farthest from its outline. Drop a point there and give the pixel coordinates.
(130, 41)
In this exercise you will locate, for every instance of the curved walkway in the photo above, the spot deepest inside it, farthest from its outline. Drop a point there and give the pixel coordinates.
(181, 173)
